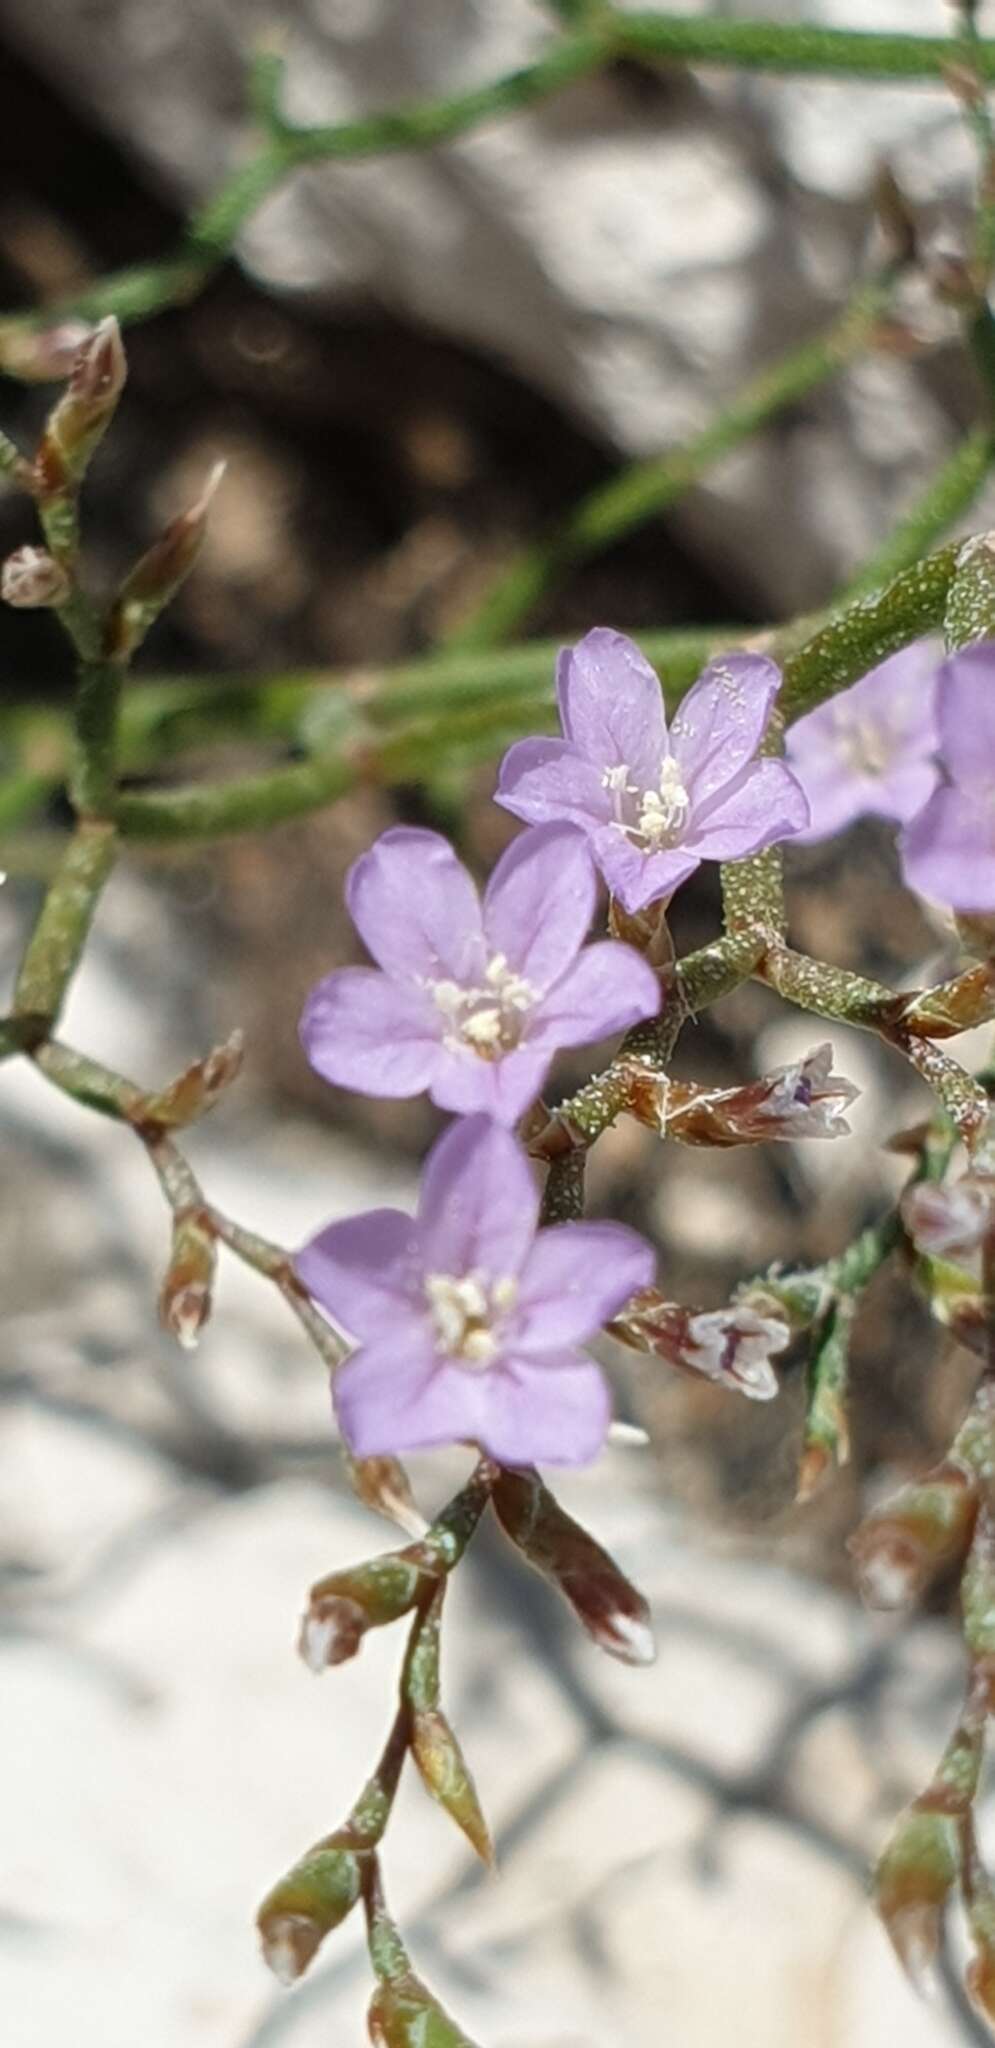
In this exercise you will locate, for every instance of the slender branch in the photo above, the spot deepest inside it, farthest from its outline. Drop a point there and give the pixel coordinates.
(57, 942)
(598, 37)
(643, 490)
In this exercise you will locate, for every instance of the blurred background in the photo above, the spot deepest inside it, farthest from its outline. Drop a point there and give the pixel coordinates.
(416, 366)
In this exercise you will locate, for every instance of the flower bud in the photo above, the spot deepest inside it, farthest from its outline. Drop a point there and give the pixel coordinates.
(185, 1295)
(42, 355)
(733, 1346)
(382, 1484)
(445, 1774)
(914, 1877)
(948, 1220)
(979, 1899)
(159, 572)
(84, 412)
(803, 1100)
(198, 1088)
(344, 1605)
(310, 1902)
(614, 1614)
(32, 580)
(902, 1545)
(404, 2014)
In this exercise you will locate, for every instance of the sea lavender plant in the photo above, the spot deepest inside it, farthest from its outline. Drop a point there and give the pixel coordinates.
(467, 1323)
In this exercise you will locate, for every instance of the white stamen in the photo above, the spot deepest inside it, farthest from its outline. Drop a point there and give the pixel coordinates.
(663, 812)
(464, 1310)
(489, 1020)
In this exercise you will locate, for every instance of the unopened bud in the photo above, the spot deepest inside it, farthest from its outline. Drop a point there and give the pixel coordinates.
(949, 1220)
(330, 1633)
(605, 1602)
(310, 1902)
(803, 1100)
(445, 1774)
(84, 412)
(42, 355)
(901, 1546)
(958, 1005)
(159, 572)
(404, 2014)
(32, 580)
(914, 1878)
(733, 1346)
(198, 1088)
(979, 1899)
(382, 1484)
(343, 1606)
(185, 1296)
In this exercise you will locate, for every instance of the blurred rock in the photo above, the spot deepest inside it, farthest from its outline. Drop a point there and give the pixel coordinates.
(632, 246)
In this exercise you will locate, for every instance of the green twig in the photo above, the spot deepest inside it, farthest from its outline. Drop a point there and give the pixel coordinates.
(645, 489)
(601, 37)
(57, 942)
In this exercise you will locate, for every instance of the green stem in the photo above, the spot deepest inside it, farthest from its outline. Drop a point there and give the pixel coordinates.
(854, 640)
(645, 489)
(95, 767)
(210, 810)
(60, 934)
(600, 37)
(790, 47)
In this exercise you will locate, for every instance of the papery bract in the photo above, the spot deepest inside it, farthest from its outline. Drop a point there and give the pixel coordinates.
(870, 751)
(472, 1000)
(655, 804)
(948, 849)
(467, 1322)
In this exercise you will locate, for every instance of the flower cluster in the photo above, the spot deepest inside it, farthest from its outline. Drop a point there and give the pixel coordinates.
(467, 1321)
(913, 742)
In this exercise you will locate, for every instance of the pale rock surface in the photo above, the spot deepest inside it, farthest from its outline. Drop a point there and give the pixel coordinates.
(633, 260)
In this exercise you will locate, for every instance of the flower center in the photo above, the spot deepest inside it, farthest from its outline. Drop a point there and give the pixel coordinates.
(489, 1020)
(662, 814)
(464, 1312)
(862, 745)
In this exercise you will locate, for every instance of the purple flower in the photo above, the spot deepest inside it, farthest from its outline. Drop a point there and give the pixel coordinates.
(655, 804)
(467, 1321)
(472, 1000)
(948, 849)
(869, 751)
